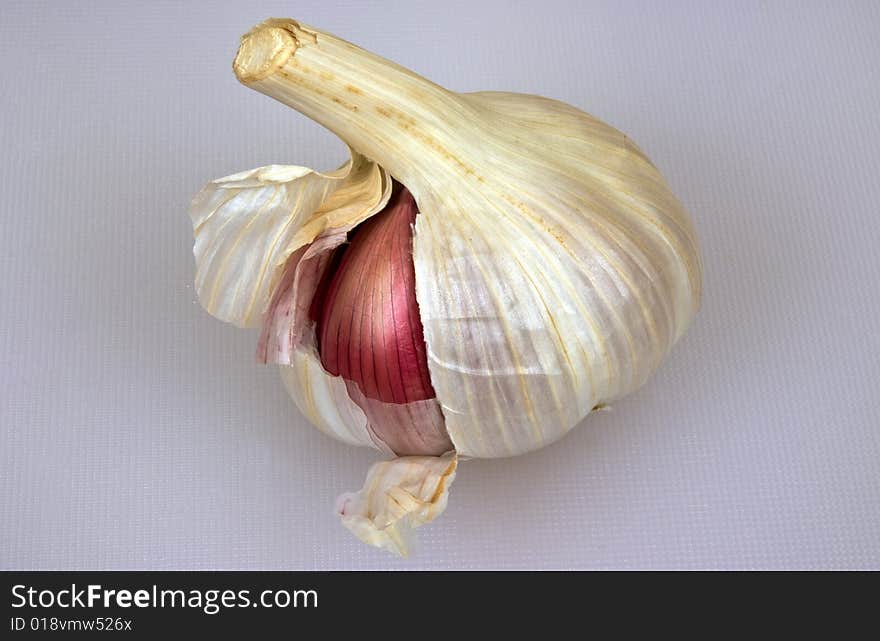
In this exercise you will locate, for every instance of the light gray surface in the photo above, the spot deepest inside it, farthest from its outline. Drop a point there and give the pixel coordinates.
(137, 431)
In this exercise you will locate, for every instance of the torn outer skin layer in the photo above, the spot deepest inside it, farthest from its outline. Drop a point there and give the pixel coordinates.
(263, 239)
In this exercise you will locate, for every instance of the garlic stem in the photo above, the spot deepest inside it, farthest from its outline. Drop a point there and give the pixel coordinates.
(402, 121)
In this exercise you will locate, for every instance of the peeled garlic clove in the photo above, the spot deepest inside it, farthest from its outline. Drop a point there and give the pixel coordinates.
(370, 333)
(369, 329)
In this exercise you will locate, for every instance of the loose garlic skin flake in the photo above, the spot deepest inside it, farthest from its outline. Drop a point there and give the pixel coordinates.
(554, 269)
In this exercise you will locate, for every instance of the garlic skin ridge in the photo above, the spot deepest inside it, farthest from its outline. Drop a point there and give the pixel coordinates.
(554, 268)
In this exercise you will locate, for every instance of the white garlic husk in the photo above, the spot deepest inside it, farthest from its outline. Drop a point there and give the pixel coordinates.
(554, 269)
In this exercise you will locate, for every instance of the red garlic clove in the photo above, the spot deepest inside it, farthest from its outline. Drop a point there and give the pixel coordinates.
(368, 326)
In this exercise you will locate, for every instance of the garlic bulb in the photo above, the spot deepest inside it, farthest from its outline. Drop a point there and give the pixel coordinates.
(485, 270)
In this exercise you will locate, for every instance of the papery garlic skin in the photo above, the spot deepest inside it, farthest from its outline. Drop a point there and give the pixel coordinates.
(554, 269)
(398, 496)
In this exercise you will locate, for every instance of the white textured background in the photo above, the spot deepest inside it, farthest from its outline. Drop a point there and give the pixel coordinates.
(137, 431)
